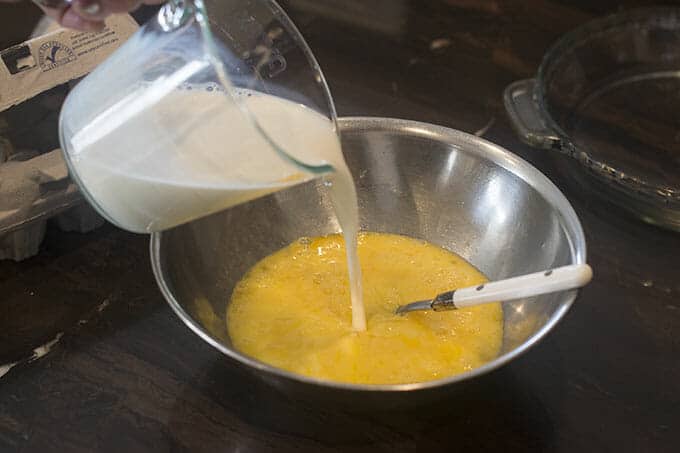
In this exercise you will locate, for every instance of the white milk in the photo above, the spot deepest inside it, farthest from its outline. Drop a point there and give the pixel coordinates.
(214, 159)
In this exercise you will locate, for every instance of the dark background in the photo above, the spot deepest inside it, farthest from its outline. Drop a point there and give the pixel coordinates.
(126, 375)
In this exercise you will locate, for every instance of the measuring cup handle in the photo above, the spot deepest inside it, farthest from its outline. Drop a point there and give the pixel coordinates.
(525, 116)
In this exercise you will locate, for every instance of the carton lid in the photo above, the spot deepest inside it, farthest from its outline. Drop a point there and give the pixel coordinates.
(39, 64)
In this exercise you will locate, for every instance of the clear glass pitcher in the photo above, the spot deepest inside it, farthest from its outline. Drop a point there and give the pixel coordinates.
(210, 104)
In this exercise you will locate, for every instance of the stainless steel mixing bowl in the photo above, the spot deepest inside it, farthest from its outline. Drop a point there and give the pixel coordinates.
(447, 187)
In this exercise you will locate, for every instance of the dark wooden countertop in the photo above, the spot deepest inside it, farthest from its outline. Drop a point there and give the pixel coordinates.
(126, 375)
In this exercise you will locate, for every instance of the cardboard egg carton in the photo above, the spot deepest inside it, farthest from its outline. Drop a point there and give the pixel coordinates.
(35, 77)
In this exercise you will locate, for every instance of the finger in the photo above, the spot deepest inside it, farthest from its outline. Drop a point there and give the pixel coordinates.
(89, 15)
(71, 19)
(55, 14)
(98, 10)
(89, 9)
(67, 17)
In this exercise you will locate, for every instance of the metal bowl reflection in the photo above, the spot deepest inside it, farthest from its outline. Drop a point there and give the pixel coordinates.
(447, 187)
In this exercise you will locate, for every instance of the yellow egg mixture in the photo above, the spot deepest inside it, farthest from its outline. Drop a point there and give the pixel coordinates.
(292, 310)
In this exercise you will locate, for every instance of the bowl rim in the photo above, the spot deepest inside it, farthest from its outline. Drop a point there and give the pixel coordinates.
(471, 143)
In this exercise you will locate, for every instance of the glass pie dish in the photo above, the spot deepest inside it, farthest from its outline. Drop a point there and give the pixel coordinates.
(607, 95)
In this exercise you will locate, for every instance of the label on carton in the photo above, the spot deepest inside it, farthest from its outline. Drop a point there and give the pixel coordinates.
(39, 64)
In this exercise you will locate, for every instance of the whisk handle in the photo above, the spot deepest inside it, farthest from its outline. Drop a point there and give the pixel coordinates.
(544, 282)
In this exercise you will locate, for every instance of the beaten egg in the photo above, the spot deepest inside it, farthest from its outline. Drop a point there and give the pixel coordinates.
(292, 310)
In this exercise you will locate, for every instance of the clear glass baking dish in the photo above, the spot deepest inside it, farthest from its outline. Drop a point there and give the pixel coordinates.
(607, 95)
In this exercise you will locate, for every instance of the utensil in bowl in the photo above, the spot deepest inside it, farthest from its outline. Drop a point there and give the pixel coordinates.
(444, 186)
(530, 285)
(606, 95)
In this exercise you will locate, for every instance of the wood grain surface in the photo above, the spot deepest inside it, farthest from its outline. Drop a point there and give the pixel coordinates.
(126, 375)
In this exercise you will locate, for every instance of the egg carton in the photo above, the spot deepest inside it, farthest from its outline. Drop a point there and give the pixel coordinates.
(34, 184)
(35, 77)
(33, 191)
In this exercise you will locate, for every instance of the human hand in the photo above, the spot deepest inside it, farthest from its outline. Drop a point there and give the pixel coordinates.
(87, 15)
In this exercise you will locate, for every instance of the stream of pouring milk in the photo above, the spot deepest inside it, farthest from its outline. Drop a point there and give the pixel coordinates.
(216, 158)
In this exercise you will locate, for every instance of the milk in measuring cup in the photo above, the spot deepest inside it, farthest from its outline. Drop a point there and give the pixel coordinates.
(215, 159)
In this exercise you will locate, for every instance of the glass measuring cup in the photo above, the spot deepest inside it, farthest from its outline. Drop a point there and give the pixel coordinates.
(210, 104)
